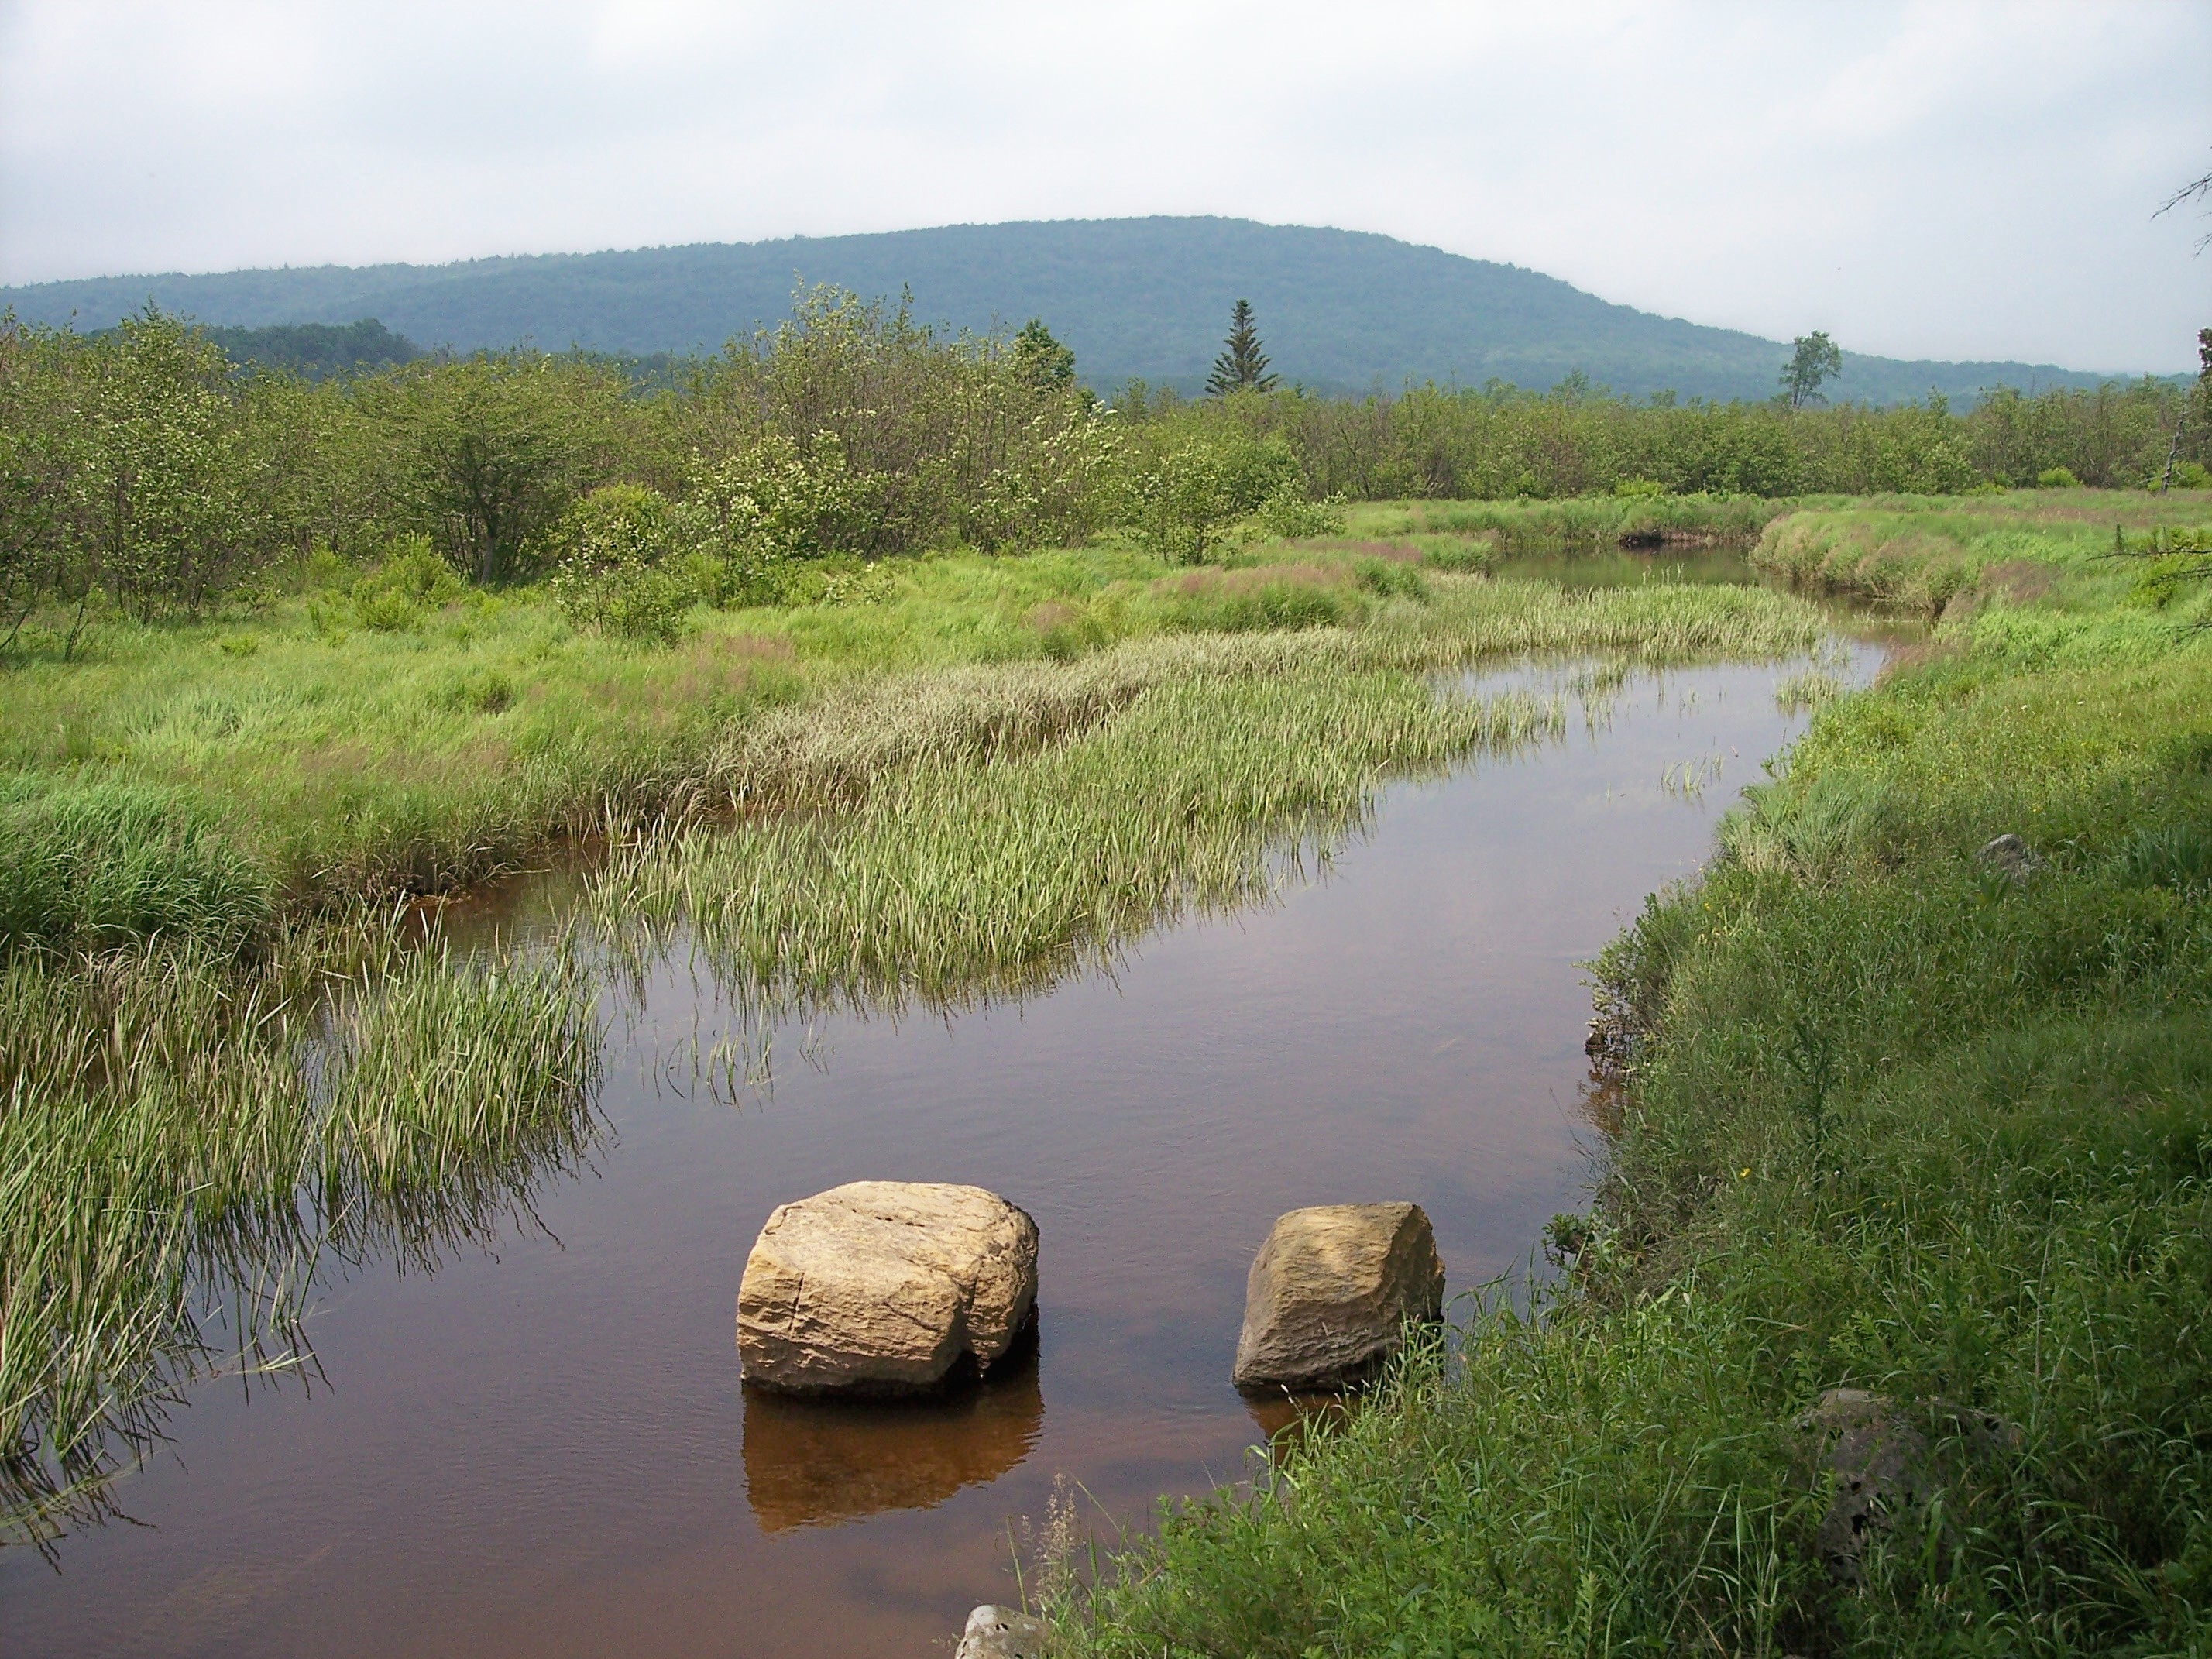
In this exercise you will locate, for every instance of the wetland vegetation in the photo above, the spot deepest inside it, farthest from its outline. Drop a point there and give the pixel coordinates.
(885, 666)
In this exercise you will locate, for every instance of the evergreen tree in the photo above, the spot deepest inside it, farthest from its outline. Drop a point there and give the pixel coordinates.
(1044, 362)
(1244, 366)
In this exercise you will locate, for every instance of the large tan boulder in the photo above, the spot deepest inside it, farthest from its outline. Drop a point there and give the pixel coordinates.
(884, 1286)
(1331, 1291)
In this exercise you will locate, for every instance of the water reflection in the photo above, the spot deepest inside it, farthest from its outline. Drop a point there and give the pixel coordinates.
(817, 1462)
(1285, 1420)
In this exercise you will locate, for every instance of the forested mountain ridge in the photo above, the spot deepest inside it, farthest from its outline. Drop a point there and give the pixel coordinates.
(1339, 311)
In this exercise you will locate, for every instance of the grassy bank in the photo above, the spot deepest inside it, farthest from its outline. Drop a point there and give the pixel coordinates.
(1896, 1116)
(209, 778)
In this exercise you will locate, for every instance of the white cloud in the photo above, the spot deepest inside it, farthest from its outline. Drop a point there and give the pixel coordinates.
(1922, 180)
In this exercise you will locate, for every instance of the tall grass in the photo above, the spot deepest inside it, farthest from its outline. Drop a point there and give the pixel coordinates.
(183, 1139)
(957, 873)
(109, 863)
(171, 783)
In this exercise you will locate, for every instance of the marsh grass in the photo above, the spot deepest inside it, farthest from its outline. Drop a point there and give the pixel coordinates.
(914, 794)
(173, 784)
(185, 1139)
(105, 865)
(954, 877)
(977, 830)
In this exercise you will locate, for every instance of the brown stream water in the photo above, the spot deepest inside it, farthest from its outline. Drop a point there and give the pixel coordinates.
(544, 1449)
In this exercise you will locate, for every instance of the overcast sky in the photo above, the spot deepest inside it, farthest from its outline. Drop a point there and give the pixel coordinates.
(1922, 180)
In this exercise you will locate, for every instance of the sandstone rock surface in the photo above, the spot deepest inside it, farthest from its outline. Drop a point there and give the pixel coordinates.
(1001, 1633)
(2012, 858)
(885, 1287)
(1330, 1291)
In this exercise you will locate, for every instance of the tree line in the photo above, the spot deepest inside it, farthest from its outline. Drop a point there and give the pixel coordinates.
(143, 469)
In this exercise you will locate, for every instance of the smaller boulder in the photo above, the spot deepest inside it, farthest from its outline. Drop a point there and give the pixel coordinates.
(1001, 1633)
(1880, 1455)
(1330, 1292)
(885, 1287)
(2012, 858)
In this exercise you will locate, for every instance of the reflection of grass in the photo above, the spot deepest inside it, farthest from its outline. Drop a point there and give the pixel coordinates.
(181, 1135)
(1895, 1119)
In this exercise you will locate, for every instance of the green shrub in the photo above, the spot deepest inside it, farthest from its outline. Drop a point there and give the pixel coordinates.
(1290, 513)
(2057, 477)
(400, 593)
(615, 571)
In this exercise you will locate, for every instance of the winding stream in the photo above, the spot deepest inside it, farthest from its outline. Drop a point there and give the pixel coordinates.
(544, 1449)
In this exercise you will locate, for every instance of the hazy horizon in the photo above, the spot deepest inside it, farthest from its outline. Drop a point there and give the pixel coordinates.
(1950, 181)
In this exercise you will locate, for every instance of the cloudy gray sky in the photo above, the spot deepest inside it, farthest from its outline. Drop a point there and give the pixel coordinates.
(1922, 180)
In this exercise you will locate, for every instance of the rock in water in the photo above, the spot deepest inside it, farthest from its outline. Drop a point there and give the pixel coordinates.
(884, 1286)
(1001, 1633)
(1331, 1291)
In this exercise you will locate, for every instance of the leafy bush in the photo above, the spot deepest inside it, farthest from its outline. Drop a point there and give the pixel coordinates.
(615, 571)
(2057, 477)
(1290, 513)
(411, 581)
(1182, 500)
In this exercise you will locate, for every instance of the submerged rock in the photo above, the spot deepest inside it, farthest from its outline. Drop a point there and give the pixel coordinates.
(1331, 1291)
(885, 1287)
(1001, 1633)
(1880, 1455)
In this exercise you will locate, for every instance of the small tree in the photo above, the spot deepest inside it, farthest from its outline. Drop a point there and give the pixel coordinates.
(2199, 191)
(494, 447)
(1815, 358)
(1244, 366)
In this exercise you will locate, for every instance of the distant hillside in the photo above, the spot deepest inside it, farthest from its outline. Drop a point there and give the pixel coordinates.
(316, 350)
(1340, 311)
